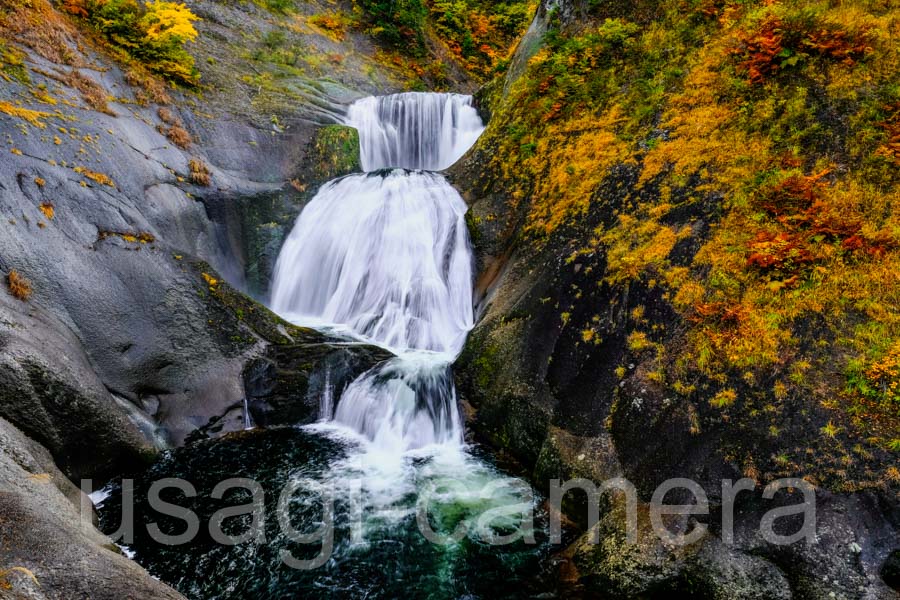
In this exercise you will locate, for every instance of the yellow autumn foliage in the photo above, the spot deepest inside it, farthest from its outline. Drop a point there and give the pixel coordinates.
(153, 34)
(169, 22)
(784, 184)
(31, 116)
(572, 158)
(635, 246)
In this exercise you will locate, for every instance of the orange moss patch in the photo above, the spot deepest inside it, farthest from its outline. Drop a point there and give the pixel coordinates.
(885, 375)
(18, 285)
(781, 252)
(891, 148)
(334, 25)
(167, 116)
(179, 136)
(777, 44)
(47, 210)
(75, 7)
(31, 116)
(6, 574)
(92, 92)
(141, 237)
(100, 178)
(151, 88)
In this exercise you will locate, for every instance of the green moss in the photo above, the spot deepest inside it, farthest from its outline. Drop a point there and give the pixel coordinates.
(486, 366)
(473, 224)
(238, 320)
(335, 152)
(278, 7)
(12, 64)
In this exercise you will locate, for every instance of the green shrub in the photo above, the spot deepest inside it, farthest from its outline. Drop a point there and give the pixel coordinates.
(399, 23)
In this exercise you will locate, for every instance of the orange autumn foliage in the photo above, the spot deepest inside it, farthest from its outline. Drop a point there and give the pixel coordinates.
(18, 285)
(777, 43)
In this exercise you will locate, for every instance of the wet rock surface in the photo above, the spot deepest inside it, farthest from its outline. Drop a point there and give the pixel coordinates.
(284, 386)
(126, 221)
(47, 551)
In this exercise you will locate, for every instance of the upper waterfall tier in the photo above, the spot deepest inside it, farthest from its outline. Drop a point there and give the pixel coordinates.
(387, 255)
(413, 130)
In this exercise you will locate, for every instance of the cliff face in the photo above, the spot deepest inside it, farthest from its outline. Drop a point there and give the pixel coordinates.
(686, 221)
(115, 184)
(122, 199)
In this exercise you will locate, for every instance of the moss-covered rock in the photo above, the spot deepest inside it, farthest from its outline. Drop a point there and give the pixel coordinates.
(334, 152)
(651, 287)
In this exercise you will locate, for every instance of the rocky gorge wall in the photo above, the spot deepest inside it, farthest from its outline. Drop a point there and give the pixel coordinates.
(133, 212)
(616, 168)
(652, 302)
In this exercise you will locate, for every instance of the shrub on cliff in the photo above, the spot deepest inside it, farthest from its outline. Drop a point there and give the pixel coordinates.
(19, 287)
(478, 33)
(400, 23)
(154, 34)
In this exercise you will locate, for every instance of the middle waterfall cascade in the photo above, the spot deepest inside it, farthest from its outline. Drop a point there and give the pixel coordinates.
(387, 255)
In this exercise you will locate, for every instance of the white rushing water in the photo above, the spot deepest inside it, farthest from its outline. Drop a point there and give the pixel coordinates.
(386, 255)
(413, 130)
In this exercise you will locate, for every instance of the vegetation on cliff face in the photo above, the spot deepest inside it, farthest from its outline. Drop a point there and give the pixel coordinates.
(479, 35)
(400, 23)
(765, 213)
(154, 33)
(288, 50)
(18, 285)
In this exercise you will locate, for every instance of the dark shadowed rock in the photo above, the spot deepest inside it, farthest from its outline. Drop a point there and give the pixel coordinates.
(46, 551)
(284, 386)
(49, 389)
(890, 570)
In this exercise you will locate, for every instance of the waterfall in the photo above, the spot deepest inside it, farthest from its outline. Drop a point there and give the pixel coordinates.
(386, 255)
(404, 404)
(414, 131)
